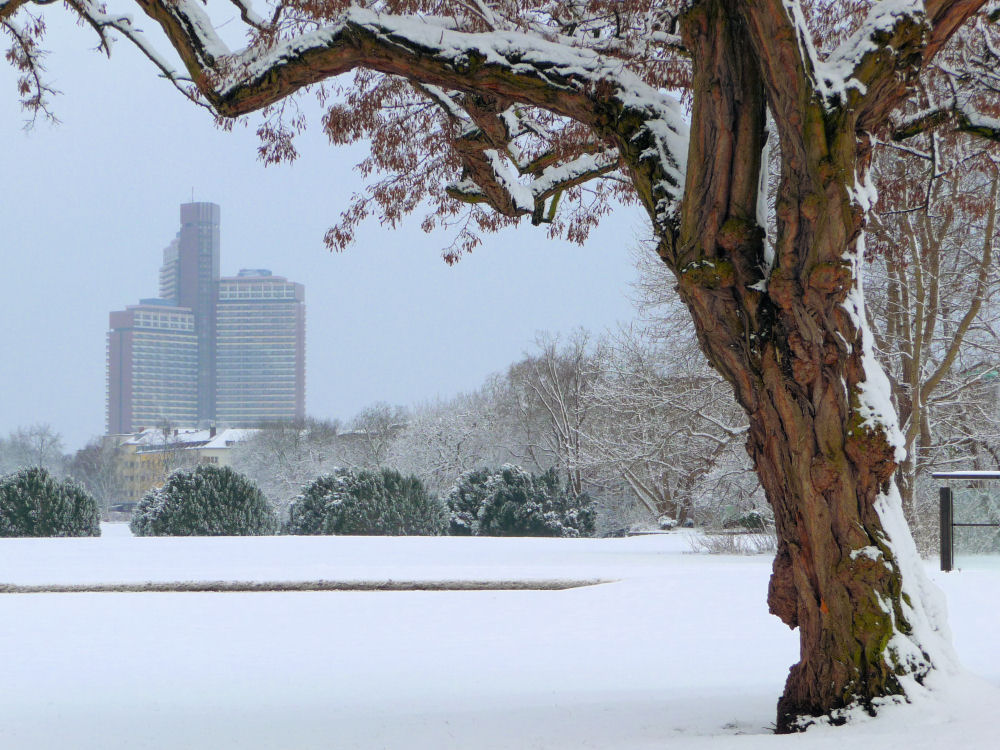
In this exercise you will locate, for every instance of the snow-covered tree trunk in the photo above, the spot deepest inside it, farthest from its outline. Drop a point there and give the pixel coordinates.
(787, 329)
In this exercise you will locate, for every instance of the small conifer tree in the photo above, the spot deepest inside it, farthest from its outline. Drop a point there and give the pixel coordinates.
(207, 501)
(33, 503)
(365, 502)
(512, 502)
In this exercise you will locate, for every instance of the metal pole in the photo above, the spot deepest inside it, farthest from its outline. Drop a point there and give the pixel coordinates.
(947, 529)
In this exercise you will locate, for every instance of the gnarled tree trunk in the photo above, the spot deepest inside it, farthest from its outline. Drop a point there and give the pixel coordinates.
(793, 345)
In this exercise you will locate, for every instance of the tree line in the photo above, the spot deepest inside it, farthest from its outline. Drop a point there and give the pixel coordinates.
(636, 419)
(210, 500)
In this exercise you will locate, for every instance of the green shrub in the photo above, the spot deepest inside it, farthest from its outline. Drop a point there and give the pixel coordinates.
(32, 503)
(512, 502)
(751, 520)
(365, 502)
(465, 501)
(208, 501)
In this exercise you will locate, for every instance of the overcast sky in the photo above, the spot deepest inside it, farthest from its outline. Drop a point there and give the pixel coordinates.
(91, 202)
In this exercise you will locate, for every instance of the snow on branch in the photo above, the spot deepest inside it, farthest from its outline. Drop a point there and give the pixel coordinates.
(511, 196)
(891, 26)
(647, 124)
(964, 117)
(191, 32)
(871, 68)
(971, 121)
(93, 14)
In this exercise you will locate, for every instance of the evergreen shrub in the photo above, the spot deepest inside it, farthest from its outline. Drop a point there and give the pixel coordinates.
(207, 501)
(512, 502)
(33, 503)
(366, 502)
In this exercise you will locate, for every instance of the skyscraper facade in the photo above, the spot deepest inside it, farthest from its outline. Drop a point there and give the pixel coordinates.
(260, 349)
(152, 366)
(189, 277)
(170, 271)
(164, 361)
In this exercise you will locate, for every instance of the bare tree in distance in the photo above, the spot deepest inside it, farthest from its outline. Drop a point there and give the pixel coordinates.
(444, 439)
(283, 457)
(368, 441)
(668, 427)
(36, 445)
(934, 286)
(98, 467)
(544, 110)
(547, 400)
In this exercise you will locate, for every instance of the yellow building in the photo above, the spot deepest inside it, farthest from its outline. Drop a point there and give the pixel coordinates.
(148, 457)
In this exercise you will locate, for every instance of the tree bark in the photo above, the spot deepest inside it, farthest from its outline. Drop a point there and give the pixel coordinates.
(796, 357)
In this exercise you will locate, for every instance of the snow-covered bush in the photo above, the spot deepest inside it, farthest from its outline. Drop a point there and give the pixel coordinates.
(465, 500)
(755, 519)
(513, 502)
(366, 502)
(32, 503)
(206, 501)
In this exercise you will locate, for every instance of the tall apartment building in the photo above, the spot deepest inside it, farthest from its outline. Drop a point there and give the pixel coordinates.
(260, 349)
(152, 366)
(164, 362)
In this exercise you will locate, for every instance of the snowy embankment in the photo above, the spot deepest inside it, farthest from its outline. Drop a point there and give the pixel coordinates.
(678, 651)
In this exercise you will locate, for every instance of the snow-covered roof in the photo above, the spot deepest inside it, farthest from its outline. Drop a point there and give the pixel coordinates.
(226, 438)
(154, 436)
(187, 439)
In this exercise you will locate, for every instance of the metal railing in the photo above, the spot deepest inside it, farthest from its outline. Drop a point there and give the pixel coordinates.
(976, 480)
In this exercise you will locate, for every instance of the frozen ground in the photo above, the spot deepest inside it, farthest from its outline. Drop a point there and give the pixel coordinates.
(677, 652)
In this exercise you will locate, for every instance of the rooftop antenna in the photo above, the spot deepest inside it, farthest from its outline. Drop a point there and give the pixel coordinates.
(192, 195)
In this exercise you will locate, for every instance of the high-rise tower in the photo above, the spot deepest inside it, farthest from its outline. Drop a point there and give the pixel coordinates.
(152, 367)
(198, 256)
(260, 349)
(170, 271)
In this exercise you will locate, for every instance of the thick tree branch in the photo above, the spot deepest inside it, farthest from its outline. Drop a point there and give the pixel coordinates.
(945, 17)
(920, 122)
(869, 72)
(648, 126)
(963, 117)
(190, 31)
(101, 23)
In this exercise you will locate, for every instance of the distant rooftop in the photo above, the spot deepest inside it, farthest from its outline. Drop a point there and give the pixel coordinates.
(254, 272)
(155, 438)
(157, 302)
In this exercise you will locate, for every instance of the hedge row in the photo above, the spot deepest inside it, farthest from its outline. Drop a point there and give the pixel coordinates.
(216, 501)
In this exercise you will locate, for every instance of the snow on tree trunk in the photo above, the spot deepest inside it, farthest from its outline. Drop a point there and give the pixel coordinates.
(823, 435)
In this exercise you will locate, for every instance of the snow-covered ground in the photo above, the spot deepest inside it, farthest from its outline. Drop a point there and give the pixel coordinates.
(677, 651)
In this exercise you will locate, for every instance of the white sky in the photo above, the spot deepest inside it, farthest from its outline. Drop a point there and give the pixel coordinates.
(91, 202)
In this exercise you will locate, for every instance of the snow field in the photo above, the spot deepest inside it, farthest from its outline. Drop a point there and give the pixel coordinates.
(678, 652)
